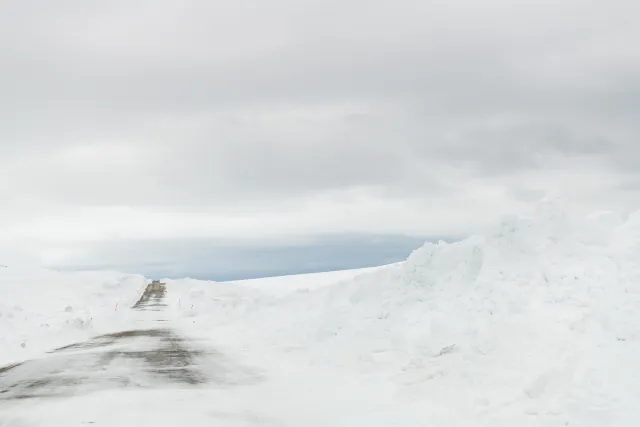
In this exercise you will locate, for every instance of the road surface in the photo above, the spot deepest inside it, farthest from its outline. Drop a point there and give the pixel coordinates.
(152, 359)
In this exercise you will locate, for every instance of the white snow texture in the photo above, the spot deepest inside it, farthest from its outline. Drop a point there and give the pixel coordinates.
(537, 323)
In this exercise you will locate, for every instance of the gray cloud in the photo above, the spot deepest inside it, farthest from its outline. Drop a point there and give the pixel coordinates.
(511, 148)
(223, 104)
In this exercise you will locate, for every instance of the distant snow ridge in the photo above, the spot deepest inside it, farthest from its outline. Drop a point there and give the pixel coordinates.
(542, 311)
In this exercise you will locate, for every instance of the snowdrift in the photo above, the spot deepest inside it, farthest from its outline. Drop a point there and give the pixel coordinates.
(228, 302)
(536, 319)
(217, 302)
(43, 309)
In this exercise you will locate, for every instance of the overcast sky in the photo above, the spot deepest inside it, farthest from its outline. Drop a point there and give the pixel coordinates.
(257, 123)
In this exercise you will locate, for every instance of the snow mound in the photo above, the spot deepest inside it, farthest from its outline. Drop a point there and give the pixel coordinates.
(41, 309)
(540, 316)
(218, 302)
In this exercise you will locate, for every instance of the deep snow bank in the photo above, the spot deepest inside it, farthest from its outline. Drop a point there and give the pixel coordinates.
(284, 285)
(217, 302)
(539, 318)
(41, 309)
(224, 302)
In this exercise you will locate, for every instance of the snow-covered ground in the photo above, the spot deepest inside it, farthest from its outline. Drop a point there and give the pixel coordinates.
(284, 285)
(535, 323)
(41, 309)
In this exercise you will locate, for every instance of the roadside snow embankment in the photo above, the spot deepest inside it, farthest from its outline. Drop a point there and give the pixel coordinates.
(539, 318)
(41, 309)
(227, 302)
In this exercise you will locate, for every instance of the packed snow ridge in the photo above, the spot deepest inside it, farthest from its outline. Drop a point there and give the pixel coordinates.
(539, 317)
(43, 309)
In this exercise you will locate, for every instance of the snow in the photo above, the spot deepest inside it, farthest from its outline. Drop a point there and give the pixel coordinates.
(284, 285)
(534, 323)
(41, 309)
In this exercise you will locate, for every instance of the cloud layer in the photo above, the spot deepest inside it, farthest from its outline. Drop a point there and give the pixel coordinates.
(242, 120)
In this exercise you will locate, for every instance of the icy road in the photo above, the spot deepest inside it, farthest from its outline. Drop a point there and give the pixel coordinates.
(58, 387)
(151, 355)
(152, 373)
